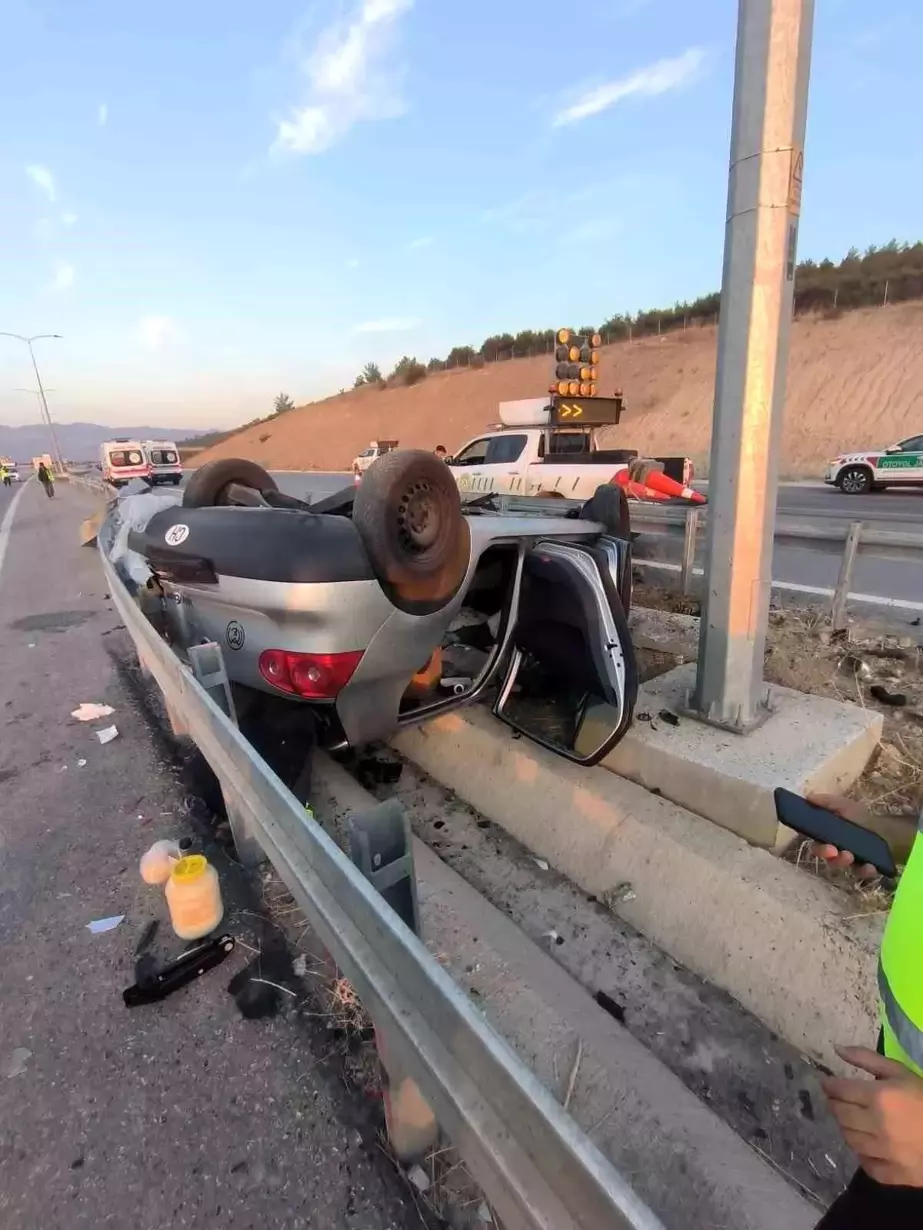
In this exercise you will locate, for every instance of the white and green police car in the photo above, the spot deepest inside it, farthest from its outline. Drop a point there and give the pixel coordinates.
(899, 465)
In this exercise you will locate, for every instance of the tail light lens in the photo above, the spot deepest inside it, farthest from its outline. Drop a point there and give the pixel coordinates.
(313, 676)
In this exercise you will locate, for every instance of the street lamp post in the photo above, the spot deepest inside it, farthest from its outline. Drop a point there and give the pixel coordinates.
(38, 337)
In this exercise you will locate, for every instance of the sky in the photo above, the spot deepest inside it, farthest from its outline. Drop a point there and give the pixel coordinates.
(218, 201)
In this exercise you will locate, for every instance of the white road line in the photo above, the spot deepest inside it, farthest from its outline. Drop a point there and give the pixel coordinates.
(903, 604)
(7, 522)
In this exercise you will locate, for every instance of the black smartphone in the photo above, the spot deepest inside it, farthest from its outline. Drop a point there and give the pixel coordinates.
(827, 827)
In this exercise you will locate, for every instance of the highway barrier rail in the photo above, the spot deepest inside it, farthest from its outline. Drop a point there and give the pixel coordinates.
(536, 1167)
(672, 536)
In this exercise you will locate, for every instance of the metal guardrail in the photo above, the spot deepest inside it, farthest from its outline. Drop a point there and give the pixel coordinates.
(536, 1167)
(675, 532)
(849, 540)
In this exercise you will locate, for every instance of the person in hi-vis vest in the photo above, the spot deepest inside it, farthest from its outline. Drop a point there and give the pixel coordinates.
(882, 1119)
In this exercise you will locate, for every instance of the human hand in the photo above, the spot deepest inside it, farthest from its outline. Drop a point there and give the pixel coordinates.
(881, 1120)
(841, 860)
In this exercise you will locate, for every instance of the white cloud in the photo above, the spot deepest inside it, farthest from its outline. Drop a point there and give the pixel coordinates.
(155, 331)
(425, 241)
(353, 262)
(350, 78)
(388, 324)
(68, 219)
(658, 78)
(64, 275)
(42, 178)
(102, 114)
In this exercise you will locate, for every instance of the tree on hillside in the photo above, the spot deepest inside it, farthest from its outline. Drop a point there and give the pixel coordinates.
(408, 371)
(359, 381)
(283, 404)
(371, 373)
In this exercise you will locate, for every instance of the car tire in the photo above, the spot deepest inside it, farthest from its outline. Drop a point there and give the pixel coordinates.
(208, 485)
(408, 514)
(609, 506)
(855, 480)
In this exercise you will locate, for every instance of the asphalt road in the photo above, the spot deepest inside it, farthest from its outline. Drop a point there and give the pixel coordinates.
(181, 1114)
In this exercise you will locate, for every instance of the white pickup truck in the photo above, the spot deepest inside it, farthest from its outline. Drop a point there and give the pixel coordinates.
(547, 447)
(376, 449)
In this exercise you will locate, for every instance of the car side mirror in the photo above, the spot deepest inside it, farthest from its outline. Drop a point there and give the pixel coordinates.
(893, 448)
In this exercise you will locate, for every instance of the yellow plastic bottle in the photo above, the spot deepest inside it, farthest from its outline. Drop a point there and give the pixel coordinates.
(194, 897)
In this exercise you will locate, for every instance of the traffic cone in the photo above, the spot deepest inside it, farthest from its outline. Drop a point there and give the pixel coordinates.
(671, 488)
(635, 490)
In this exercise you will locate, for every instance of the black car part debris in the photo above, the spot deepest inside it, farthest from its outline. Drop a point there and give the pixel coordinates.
(153, 984)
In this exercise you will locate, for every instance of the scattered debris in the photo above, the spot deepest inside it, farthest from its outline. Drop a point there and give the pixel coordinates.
(157, 862)
(101, 925)
(609, 1005)
(107, 735)
(553, 936)
(300, 966)
(540, 864)
(88, 712)
(81, 764)
(18, 1060)
(153, 984)
(573, 1074)
(856, 666)
(670, 718)
(419, 1178)
(484, 1214)
(897, 699)
(623, 892)
(256, 996)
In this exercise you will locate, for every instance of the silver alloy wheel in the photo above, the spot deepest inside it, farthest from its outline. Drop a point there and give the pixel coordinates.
(855, 481)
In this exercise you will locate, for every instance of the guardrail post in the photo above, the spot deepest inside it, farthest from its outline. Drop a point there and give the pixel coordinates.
(381, 846)
(690, 542)
(844, 580)
(249, 851)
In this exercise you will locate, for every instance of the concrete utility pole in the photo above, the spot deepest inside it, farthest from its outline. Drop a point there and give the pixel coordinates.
(764, 203)
(56, 449)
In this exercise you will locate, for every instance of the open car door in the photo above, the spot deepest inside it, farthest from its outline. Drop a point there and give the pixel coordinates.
(572, 680)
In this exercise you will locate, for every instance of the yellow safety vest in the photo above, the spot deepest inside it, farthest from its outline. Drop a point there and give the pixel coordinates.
(900, 966)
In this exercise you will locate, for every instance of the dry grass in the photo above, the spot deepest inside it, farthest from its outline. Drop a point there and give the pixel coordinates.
(852, 383)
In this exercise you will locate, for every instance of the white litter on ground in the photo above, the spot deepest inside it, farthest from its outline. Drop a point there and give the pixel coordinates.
(87, 712)
(419, 1178)
(107, 735)
(100, 925)
(18, 1061)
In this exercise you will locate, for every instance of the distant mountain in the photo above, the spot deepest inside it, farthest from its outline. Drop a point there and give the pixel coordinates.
(79, 441)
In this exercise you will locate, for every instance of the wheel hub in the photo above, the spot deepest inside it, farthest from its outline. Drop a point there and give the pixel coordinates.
(418, 517)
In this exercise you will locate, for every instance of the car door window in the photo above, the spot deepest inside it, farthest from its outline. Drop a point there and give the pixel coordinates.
(913, 445)
(572, 681)
(472, 455)
(505, 449)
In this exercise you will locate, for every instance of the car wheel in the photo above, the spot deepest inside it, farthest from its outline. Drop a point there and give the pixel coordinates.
(208, 485)
(408, 513)
(856, 480)
(609, 505)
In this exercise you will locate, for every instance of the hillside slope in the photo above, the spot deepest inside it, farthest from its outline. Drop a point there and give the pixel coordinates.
(856, 381)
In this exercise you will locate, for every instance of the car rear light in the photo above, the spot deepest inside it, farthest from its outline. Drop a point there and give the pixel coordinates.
(313, 676)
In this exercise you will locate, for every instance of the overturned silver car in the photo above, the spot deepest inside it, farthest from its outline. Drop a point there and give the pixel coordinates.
(393, 602)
